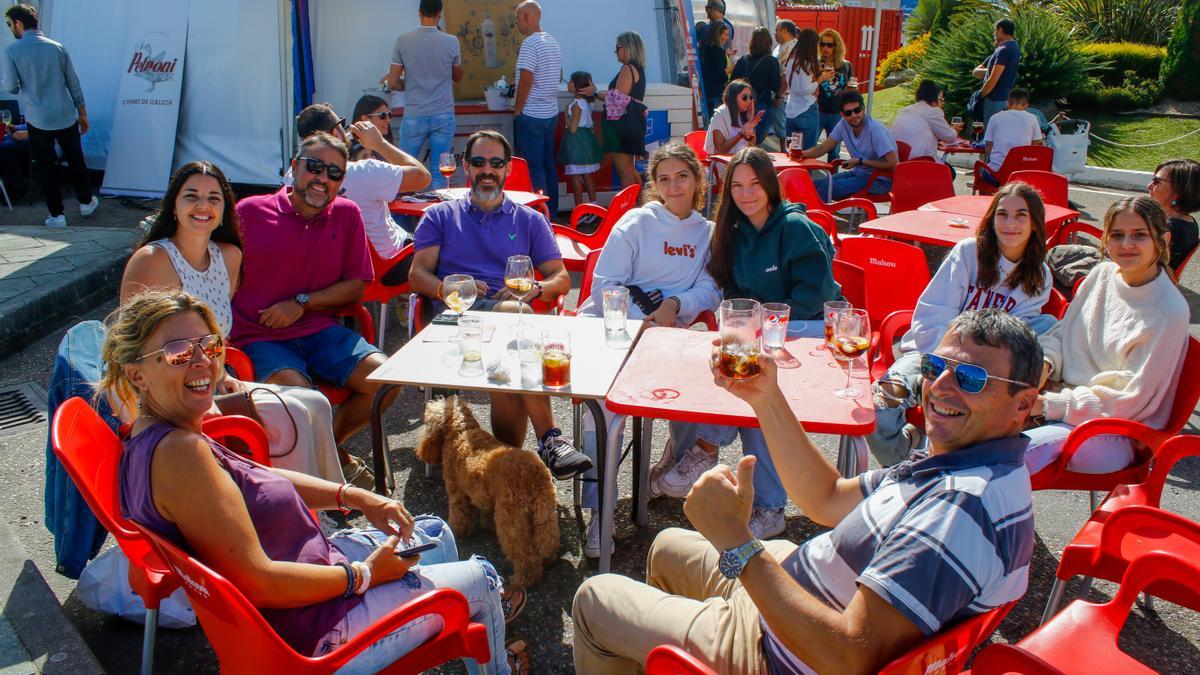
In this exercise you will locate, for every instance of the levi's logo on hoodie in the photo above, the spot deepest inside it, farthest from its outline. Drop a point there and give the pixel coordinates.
(683, 250)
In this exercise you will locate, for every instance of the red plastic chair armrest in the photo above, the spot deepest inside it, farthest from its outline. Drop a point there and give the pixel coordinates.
(366, 325)
(1004, 658)
(893, 325)
(979, 165)
(586, 210)
(1126, 519)
(245, 429)
(570, 233)
(854, 202)
(707, 318)
(240, 363)
(1090, 429)
(1171, 452)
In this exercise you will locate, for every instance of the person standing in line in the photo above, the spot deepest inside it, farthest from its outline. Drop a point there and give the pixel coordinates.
(804, 76)
(539, 70)
(785, 36)
(425, 57)
(714, 68)
(833, 60)
(999, 71)
(40, 71)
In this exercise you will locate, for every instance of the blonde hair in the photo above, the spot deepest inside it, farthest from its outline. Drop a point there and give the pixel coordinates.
(635, 48)
(839, 50)
(129, 331)
(1155, 218)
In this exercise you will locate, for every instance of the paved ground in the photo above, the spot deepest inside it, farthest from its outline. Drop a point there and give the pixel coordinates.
(1168, 640)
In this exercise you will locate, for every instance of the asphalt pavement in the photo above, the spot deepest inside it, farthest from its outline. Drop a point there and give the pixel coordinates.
(1167, 639)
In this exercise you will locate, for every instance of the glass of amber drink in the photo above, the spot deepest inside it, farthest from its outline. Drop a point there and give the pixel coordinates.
(851, 338)
(741, 338)
(832, 308)
(556, 359)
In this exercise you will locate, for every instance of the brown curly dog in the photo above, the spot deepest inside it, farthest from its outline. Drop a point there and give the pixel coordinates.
(487, 480)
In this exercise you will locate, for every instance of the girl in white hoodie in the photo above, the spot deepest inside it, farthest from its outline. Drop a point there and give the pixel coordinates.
(1001, 268)
(659, 251)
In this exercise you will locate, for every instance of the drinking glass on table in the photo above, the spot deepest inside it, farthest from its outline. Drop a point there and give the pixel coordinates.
(446, 166)
(977, 128)
(957, 123)
(832, 309)
(470, 344)
(518, 278)
(460, 292)
(774, 324)
(852, 337)
(556, 358)
(529, 355)
(616, 312)
(741, 328)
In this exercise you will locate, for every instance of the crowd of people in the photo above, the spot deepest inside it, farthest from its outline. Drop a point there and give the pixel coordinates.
(1001, 384)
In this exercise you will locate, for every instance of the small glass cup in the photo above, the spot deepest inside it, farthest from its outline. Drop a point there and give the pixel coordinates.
(529, 355)
(556, 359)
(470, 345)
(616, 310)
(774, 324)
(832, 307)
(741, 338)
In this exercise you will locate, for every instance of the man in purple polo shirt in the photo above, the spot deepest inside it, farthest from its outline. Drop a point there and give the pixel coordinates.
(476, 236)
(305, 256)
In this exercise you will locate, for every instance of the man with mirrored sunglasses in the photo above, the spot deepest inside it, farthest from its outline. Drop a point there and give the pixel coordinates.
(476, 235)
(914, 548)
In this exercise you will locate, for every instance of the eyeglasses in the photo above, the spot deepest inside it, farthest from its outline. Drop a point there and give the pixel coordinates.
(970, 377)
(1155, 180)
(495, 162)
(180, 352)
(851, 111)
(382, 114)
(316, 167)
(829, 44)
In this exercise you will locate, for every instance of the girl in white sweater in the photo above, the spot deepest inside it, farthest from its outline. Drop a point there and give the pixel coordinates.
(1001, 268)
(1119, 349)
(659, 252)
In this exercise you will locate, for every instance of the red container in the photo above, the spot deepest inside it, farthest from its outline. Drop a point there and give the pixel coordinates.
(856, 25)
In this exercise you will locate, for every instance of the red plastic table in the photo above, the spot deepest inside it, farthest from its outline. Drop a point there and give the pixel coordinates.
(925, 226)
(403, 208)
(958, 148)
(667, 376)
(977, 205)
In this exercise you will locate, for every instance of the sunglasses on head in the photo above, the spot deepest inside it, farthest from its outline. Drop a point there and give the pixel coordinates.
(495, 162)
(382, 114)
(970, 377)
(316, 167)
(829, 44)
(851, 111)
(180, 352)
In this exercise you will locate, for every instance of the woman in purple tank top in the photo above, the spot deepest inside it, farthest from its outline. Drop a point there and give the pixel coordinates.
(163, 355)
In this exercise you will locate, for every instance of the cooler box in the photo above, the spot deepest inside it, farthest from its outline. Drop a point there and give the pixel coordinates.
(1069, 139)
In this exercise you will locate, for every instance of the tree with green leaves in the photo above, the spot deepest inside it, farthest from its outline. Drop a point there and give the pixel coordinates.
(1180, 72)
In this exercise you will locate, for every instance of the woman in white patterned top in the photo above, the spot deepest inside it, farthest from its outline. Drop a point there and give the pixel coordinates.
(195, 245)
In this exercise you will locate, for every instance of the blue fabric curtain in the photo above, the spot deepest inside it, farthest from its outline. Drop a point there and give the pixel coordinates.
(302, 63)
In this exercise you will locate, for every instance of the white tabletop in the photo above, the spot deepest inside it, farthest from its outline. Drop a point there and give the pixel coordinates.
(431, 357)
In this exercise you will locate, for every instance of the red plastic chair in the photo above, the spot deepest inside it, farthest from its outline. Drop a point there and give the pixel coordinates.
(375, 291)
(895, 273)
(852, 279)
(575, 245)
(1083, 637)
(243, 367)
(1116, 533)
(916, 183)
(1056, 305)
(91, 454)
(585, 284)
(797, 186)
(827, 222)
(1056, 476)
(245, 643)
(1021, 158)
(1067, 234)
(1051, 186)
(672, 660)
(948, 651)
(695, 141)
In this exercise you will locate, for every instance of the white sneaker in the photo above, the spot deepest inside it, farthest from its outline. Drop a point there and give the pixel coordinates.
(56, 221)
(591, 542)
(678, 481)
(90, 207)
(766, 523)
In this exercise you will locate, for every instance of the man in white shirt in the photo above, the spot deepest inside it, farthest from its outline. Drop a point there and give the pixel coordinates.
(1006, 130)
(785, 36)
(535, 114)
(922, 124)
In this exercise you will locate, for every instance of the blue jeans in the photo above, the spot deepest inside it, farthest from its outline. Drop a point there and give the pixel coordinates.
(476, 579)
(763, 127)
(768, 490)
(828, 122)
(808, 123)
(778, 121)
(846, 183)
(535, 143)
(438, 130)
(991, 107)
(888, 442)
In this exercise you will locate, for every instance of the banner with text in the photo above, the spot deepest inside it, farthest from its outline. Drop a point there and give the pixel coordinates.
(142, 145)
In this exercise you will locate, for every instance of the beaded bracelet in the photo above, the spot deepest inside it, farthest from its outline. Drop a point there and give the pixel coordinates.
(341, 498)
(350, 578)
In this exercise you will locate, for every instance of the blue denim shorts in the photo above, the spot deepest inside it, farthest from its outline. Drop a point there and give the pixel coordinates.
(331, 355)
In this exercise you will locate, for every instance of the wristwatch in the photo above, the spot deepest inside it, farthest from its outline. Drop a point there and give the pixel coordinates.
(734, 560)
(302, 299)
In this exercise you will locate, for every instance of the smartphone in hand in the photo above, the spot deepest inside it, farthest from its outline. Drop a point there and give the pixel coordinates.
(414, 551)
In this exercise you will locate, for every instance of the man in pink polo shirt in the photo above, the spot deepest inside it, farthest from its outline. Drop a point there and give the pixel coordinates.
(306, 256)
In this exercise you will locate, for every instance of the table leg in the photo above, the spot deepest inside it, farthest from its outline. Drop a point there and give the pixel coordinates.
(384, 484)
(608, 488)
(602, 449)
(852, 456)
(643, 440)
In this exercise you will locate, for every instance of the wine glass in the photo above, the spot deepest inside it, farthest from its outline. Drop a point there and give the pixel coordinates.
(852, 337)
(518, 278)
(977, 127)
(446, 166)
(460, 292)
(957, 123)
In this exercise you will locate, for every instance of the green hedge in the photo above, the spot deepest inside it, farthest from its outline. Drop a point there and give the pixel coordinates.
(1115, 58)
(1181, 68)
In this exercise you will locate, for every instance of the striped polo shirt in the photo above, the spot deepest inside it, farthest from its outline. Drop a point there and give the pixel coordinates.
(939, 538)
(541, 56)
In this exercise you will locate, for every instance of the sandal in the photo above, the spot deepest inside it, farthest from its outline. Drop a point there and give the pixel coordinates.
(513, 603)
(358, 475)
(520, 662)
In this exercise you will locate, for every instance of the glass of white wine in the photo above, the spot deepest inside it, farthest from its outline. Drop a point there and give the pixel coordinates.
(518, 278)
(459, 292)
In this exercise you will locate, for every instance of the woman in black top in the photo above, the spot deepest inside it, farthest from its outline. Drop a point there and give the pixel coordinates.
(1176, 188)
(714, 67)
(762, 71)
(625, 138)
(833, 60)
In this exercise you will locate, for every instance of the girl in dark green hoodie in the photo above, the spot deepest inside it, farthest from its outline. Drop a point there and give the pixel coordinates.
(766, 249)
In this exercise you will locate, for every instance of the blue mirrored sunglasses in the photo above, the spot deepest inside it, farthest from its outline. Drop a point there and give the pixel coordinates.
(970, 377)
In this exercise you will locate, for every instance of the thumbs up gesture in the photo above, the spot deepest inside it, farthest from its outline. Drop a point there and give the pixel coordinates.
(720, 502)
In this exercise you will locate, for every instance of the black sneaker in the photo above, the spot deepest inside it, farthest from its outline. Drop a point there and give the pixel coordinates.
(560, 455)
